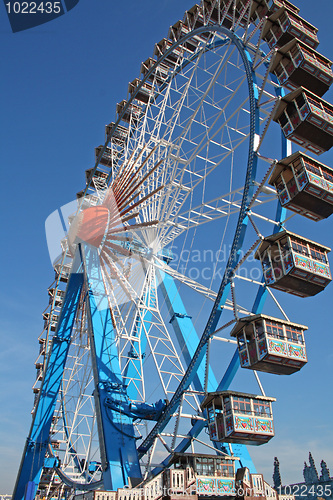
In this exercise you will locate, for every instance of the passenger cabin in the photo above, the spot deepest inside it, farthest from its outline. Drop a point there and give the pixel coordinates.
(194, 18)
(201, 474)
(304, 186)
(89, 200)
(235, 417)
(296, 64)
(57, 296)
(143, 93)
(180, 29)
(108, 157)
(132, 113)
(307, 120)
(254, 487)
(263, 8)
(119, 135)
(158, 72)
(294, 264)
(270, 344)
(63, 270)
(98, 176)
(53, 323)
(284, 25)
(173, 58)
(42, 345)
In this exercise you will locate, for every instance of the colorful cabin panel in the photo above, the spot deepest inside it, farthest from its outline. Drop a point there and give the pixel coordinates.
(270, 345)
(284, 25)
(294, 264)
(304, 186)
(235, 417)
(296, 64)
(307, 120)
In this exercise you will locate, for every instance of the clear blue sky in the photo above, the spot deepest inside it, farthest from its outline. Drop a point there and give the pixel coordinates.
(60, 84)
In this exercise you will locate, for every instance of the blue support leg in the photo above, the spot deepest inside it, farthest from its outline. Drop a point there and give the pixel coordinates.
(116, 431)
(188, 339)
(36, 445)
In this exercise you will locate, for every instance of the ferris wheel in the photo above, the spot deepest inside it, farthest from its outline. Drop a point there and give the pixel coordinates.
(179, 237)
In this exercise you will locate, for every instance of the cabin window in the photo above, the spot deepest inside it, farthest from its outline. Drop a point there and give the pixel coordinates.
(280, 186)
(241, 341)
(205, 466)
(211, 414)
(279, 71)
(312, 168)
(283, 120)
(293, 114)
(283, 18)
(292, 110)
(298, 166)
(284, 245)
(262, 408)
(327, 175)
(317, 254)
(274, 330)
(227, 406)
(295, 51)
(241, 405)
(300, 101)
(314, 103)
(327, 110)
(300, 248)
(265, 261)
(225, 468)
(259, 329)
(294, 334)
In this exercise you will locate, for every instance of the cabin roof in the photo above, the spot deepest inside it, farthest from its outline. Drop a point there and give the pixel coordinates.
(285, 162)
(281, 51)
(277, 236)
(175, 456)
(253, 317)
(292, 95)
(212, 395)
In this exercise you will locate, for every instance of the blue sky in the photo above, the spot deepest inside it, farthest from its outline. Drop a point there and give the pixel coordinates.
(60, 84)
